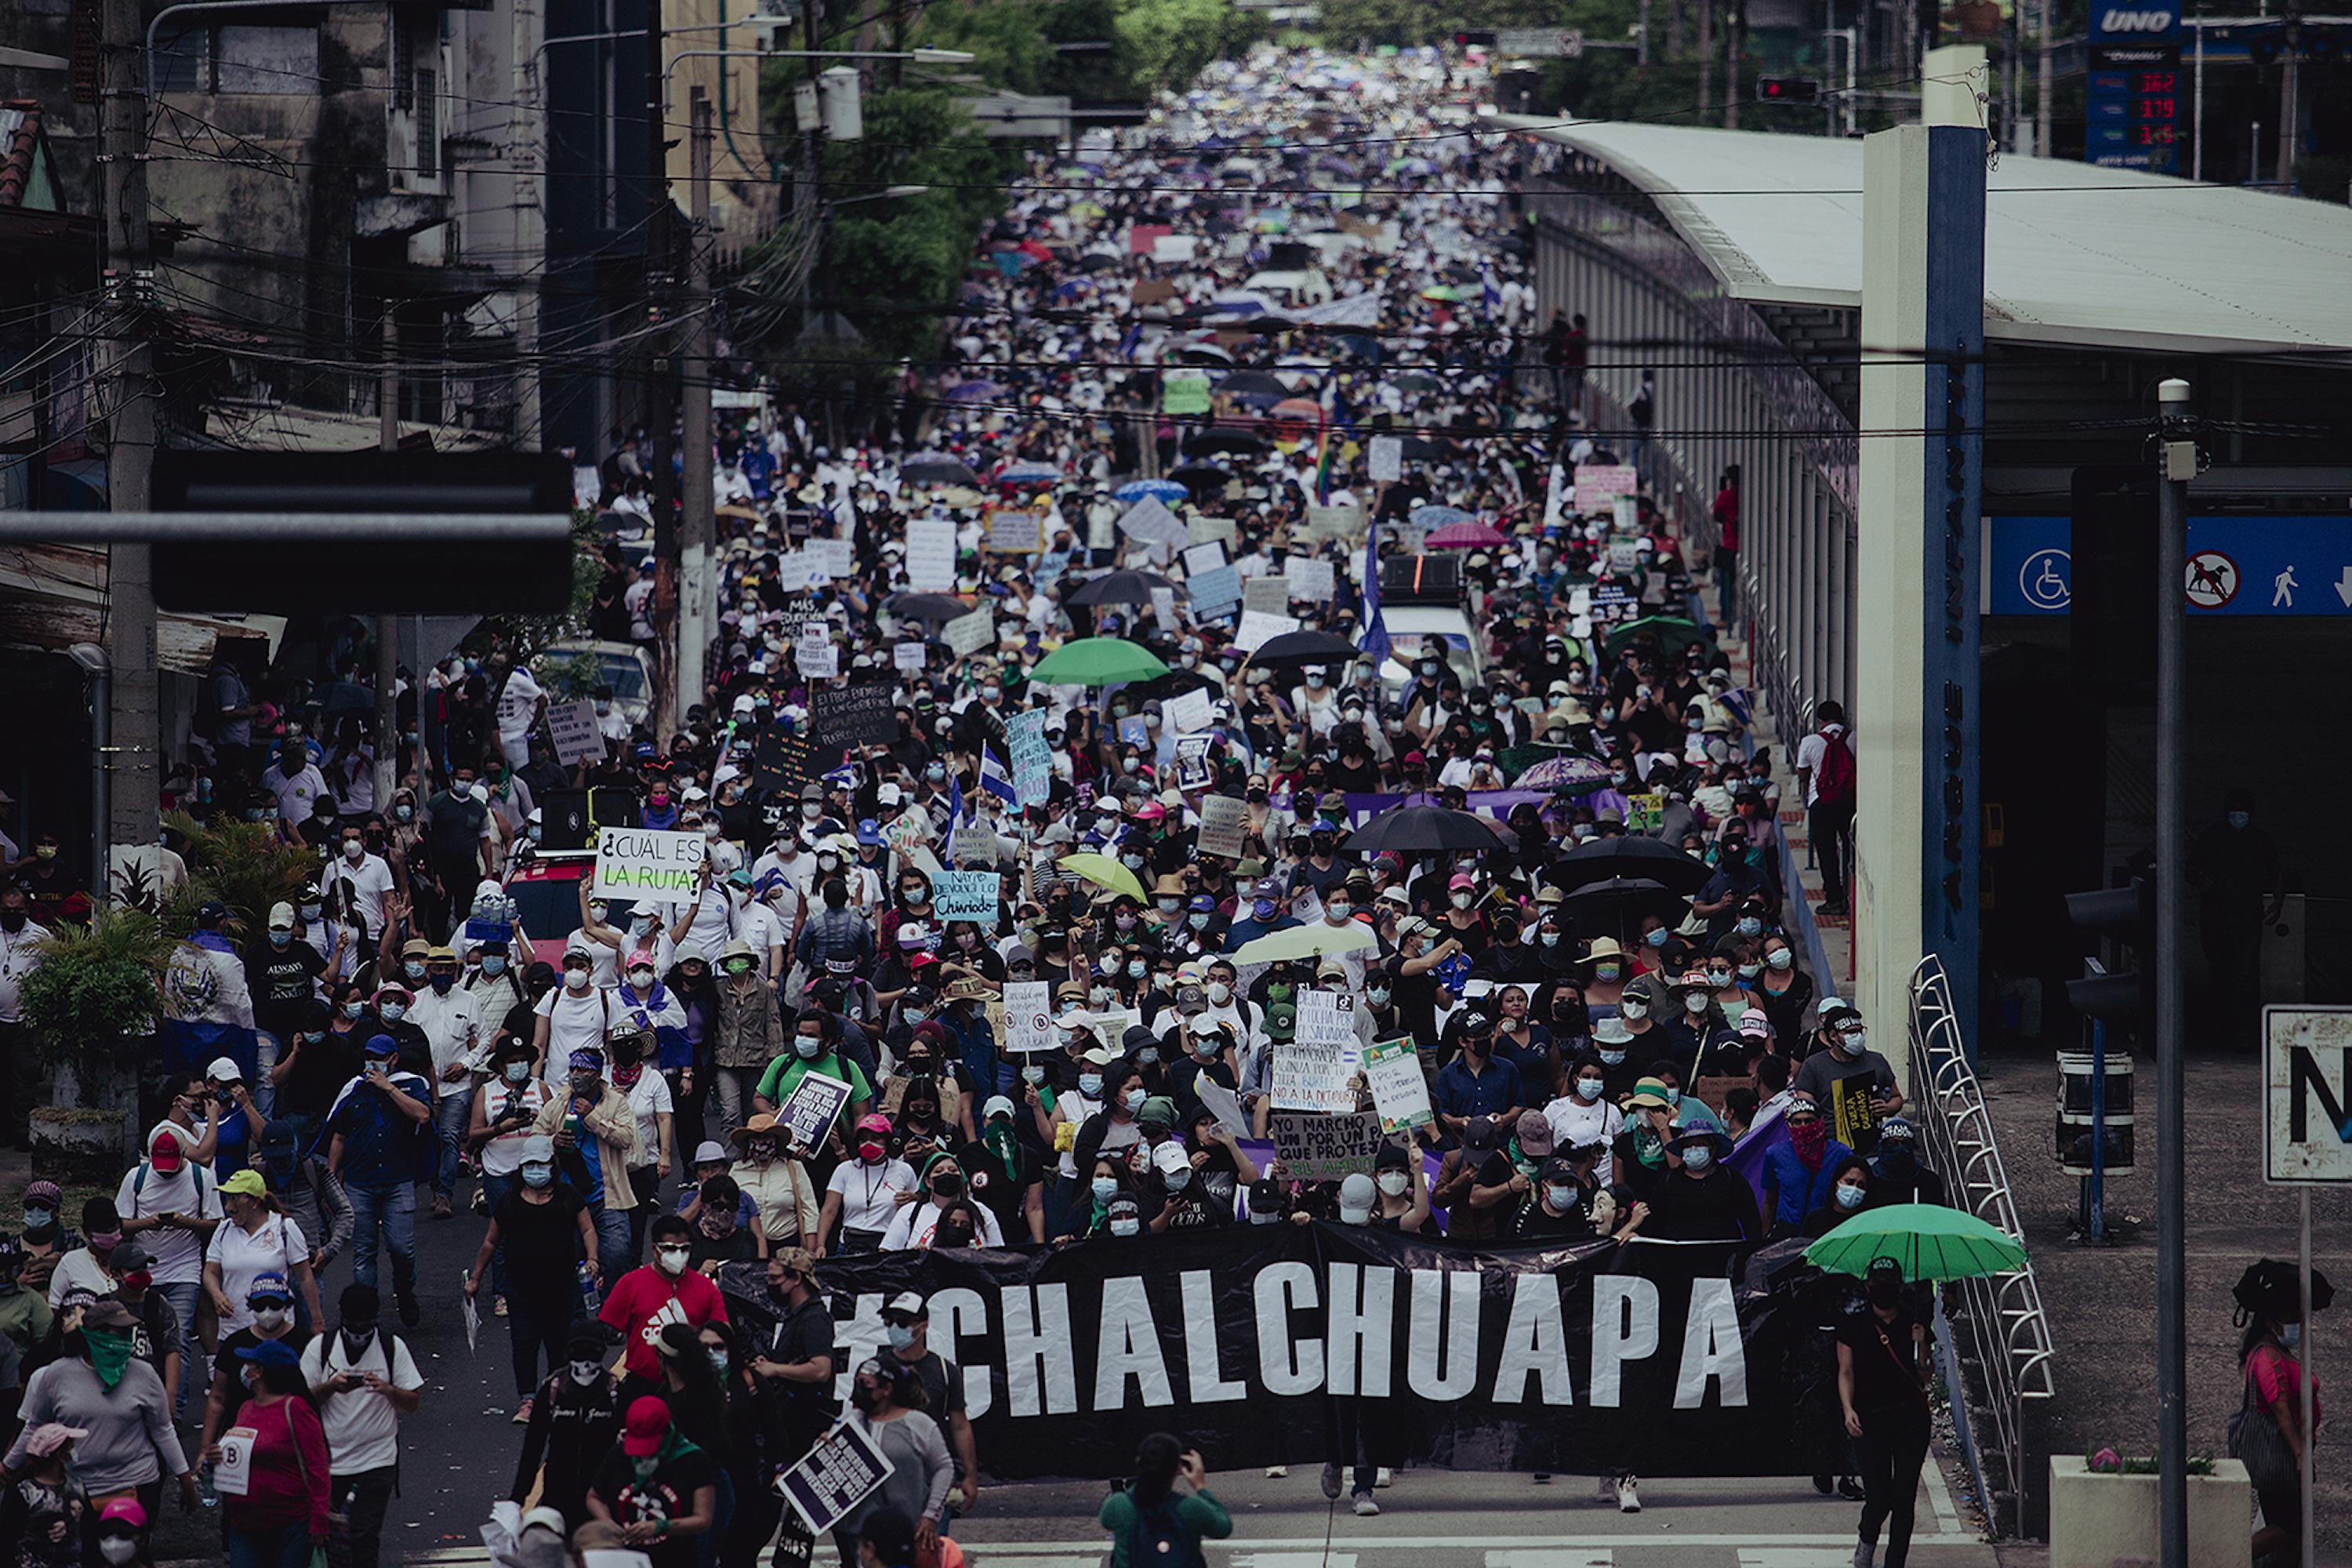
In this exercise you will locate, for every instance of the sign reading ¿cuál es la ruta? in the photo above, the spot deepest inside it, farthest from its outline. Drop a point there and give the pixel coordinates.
(1248, 1341)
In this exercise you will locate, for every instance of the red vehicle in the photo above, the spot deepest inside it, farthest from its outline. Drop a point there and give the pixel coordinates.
(546, 893)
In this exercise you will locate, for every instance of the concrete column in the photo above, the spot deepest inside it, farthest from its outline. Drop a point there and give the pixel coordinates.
(1916, 597)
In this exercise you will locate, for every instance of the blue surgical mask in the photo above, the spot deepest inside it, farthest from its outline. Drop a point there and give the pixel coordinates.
(1587, 1089)
(393, 1012)
(281, 939)
(901, 1336)
(1613, 1059)
(535, 1175)
(1849, 1197)
(1698, 1157)
(1656, 938)
(493, 965)
(1748, 925)
(1090, 1085)
(1148, 1055)
(1136, 1097)
(354, 1009)
(1105, 1188)
(1262, 908)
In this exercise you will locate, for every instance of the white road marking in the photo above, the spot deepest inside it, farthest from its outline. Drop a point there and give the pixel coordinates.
(1796, 1557)
(1318, 1558)
(1554, 1557)
(1940, 1497)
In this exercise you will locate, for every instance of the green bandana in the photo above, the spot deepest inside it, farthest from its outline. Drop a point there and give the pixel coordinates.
(1649, 1148)
(1002, 1142)
(109, 1354)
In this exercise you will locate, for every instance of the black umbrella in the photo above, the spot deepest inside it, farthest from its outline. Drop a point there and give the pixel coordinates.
(1302, 648)
(1619, 903)
(1095, 261)
(1228, 441)
(926, 606)
(1201, 478)
(1627, 855)
(1258, 381)
(1419, 829)
(1175, 683)
(937, 468)
(1418, 448)
(1121, 588)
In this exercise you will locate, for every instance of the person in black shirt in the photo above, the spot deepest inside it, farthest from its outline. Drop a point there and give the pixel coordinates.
(1882, 1372)
(575, 1419)
(716, 1238)
(283, 974)
(1006, 1173)
(546, 1231)
(314, 1062)
(792, 1361)
(1556, 1206)
(907, 1319)
(1897, 1176)
(1697, 1199)
(1186, 1203)
(654, 1492)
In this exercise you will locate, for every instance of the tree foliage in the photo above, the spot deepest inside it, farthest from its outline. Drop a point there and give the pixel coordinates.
(95, 989)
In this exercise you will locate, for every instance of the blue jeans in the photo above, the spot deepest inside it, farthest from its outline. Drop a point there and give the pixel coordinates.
(613, 1255)
(451, 1113)
(395, 1208)
(195, 1377)
(288, 1546)
(264, 1056)
(494, 1191)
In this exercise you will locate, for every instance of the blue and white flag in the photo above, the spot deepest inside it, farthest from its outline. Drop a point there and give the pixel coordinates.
(996, 779)
(1374, 638)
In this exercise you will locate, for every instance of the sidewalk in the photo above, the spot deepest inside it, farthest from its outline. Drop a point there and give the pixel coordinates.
(2102, 1301)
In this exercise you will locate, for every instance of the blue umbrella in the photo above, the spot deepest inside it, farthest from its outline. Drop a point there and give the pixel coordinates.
(1030, 474)
(1438, 516)
(973, 391)
(1141, 489)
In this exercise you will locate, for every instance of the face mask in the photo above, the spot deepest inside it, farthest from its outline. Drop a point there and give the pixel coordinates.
(1377, 995)
(1698, 1157)
(518, 1073)
(1090, 1085)
(1609, 973)
(1855, 1041)
(393, 1012)
(1562, 1198)
(1587, 1089)
(353, 848)
(1339, 913)
(1781, 960)
(2290, 1336)
(584, 1373)
(356, 1340)
(1464, 901)
(1635, 1010)
(1220, 992)
(1124, 1227)
(1136, 969)
(761, 1148)
(809, 1046)
(1395, 1183)
(354, 1009)
(1201, 921)
(1748, 925)
(1262, 908)
(576, 979)
(1885, 1294)
(2240, 818)
(1134, 1098)
(312, 912)
(1177, 1179)
(1849, 1198)
(901, 1335)
(671, 1259)
(1148, 1055)
(1613, 1058)
(535, 1175)
(639, 979)
(1104, 1188)
(117, 1548)
(1695, 1004)
(270, 1320)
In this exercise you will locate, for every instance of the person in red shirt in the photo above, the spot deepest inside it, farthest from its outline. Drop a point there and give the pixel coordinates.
(1727, 543)
(667, 1290)
(281, 1517)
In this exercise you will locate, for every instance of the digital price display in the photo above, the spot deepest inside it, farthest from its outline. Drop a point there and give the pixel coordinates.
(2136, 99)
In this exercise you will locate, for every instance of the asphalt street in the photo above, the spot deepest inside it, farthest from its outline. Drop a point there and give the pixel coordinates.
(457, 1456)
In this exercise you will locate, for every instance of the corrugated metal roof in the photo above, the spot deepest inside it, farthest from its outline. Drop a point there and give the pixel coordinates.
(2074, 255)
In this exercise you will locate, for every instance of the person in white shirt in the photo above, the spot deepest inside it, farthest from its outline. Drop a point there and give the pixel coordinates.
(521, 705)
(452, 1022)
(861, 1199)
(365, 1381)
(369, 875)
(1583, 1115)
(505, 1109)
(297, 784)
(642, 933)
(943, 1188)
(19, 1052)
(171, 1205)
(258, 1239)
(641, 1083)
(574, 1016)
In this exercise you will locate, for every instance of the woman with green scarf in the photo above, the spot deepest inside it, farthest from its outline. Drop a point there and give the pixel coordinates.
(100, 1387)
(1090, 1214)
(655, 1493)
(1007, 1172)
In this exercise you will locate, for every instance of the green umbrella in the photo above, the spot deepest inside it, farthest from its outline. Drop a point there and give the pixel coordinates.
(1097, 661)
(1104, 872)
(1930, 1241)
(1292, 943)
(1674, 633)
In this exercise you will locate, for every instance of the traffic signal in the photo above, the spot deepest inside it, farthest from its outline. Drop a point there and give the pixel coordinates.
(2124, 918)
(1788, 89)
(1474, 37)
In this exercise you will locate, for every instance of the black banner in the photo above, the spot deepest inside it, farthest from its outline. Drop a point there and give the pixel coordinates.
(1269, 1344)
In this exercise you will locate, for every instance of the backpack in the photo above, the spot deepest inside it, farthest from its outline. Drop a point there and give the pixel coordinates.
(1833, 780)
(1160, 1537)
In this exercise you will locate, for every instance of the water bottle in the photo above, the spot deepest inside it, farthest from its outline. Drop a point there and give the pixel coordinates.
(205, 1492)
(587, 1289)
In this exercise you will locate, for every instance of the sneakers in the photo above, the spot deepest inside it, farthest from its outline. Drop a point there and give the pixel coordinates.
(1628, 1496)
(1277, 1472)
(497, 1306)
(1606, 1491)
(522, 1412)
(1365, 1506)
(1331, 1480)
(441, 1209)
(408, 1312)
(1849, 1488)
(1383, 1477)
(1862, 1554)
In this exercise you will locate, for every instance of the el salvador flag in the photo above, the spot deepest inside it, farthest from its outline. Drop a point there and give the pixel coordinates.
(957, 810)
(995, 780)
(1374, 638)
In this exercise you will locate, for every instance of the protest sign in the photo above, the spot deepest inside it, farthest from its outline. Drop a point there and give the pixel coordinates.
(834, 558)
(233, 1471)
(817, 660)
(1215, 593)
(1624, 555)
(906, 655)
(1184, 395)
(973, 844)
(1110, 1025)
(1163, 608)
(1598, 485)
(1256, 625)
(1399, 1090)
(1384, 459)
(967, 635)
(1015, 533)
(1192, 770)
(1175, 249)
(794, 614)
(1271, 594)
(909, 836)
(1205, 529)
(1311, 1072)
(1204, 557)
(1150, 522)
(1644, 811)
(1319, 1148)
(780, 762)
(965, 895)
(808, 1112)
(1151, 291)
(1187, 711)
(1032, 764)
(835, 1475)
(1223, 1104)
(1225, 826)
(853, 715)
(644, 865)
(1028, 1015)
(1625, 514)
(1311, 580)
(930, 554)
(573, 727)
(1337, 522)
(1134, 731)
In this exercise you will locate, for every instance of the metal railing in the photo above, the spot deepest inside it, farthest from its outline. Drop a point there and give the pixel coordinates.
(1998, 1323)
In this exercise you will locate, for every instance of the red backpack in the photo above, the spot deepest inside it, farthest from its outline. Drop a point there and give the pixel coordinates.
(1833, 780)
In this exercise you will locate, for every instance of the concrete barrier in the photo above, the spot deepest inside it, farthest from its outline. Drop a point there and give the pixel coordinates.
(2099, 1518)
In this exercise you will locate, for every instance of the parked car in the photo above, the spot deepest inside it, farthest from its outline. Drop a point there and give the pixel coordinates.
(577, 666)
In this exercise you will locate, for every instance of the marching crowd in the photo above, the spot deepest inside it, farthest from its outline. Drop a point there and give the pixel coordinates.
(1601, 983)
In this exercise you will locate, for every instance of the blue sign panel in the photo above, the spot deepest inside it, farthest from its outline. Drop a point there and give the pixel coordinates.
(2237, 566)
(2133, 92)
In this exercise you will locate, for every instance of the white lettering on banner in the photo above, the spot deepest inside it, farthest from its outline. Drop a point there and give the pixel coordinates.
(1536, 1340)
(1039, 1376)
(1360, 1326)
(957, 1312)
(1284, 1365)
(1442, 1367)
(1202, 1365)
(1712, 1347)
(1624, 1329)
(1130, 1348)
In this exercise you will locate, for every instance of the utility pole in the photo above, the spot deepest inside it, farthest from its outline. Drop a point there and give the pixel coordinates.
(660, 396)
(2043, 76)
(2290, 83)
(1734, 37)
(2178, 461)
(387, 627)
(1706, 60)
(135, 731)
(696, 483)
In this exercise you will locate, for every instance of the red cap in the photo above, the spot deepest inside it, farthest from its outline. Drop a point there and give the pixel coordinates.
(164, 1153)
(126, 1510)
(647, 1425)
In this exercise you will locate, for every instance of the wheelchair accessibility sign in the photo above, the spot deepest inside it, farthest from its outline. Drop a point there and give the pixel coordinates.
(2046, 580)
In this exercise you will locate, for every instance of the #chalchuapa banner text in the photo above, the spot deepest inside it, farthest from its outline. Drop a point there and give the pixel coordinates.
(1263, 1343)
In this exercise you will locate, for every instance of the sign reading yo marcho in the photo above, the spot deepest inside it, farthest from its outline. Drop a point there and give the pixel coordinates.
(643, 865)
(1506, 1357)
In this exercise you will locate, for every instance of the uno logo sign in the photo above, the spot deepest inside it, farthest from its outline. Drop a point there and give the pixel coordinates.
(2138, 22)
